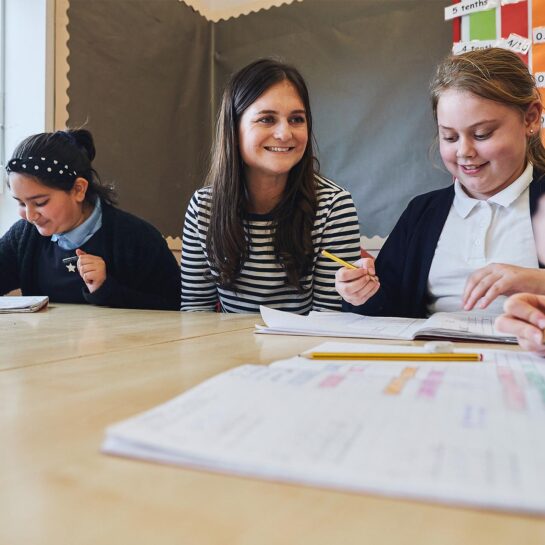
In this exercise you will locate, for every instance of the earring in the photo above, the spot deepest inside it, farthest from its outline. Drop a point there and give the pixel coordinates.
(531, 131)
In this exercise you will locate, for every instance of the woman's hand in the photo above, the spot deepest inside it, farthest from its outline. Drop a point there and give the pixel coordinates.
(525, 318)
(496, 279)
(92, 269)
(356, 286)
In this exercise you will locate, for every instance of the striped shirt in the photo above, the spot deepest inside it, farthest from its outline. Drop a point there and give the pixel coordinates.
(262, 281)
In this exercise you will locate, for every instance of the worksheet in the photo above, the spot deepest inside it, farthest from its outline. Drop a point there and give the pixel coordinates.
(465, 325)
(456, 432)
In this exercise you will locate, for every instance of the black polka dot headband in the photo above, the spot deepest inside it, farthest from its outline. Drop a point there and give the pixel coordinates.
(42, 167)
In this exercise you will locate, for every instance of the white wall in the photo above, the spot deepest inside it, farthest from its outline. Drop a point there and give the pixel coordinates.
(29, 71)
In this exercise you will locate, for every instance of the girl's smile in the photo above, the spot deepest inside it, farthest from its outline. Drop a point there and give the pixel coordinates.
(482, 142)
(50, 210)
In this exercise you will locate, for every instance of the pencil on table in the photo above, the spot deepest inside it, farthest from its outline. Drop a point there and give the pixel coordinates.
(395, 356)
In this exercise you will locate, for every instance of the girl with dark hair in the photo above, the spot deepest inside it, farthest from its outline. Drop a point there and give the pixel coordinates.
(471, 244)
(72, 244)
(253, 235)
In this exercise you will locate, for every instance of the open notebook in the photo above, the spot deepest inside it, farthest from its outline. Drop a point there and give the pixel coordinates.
(23, 303)
(468, 326)
(462, 433)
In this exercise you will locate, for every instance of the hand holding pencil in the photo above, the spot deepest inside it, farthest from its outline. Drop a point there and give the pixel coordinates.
(356, 283)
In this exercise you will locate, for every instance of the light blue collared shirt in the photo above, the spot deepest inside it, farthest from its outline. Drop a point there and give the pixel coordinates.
(82, 233)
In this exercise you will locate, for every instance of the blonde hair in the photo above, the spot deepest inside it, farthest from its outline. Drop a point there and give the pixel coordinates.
(495, 74)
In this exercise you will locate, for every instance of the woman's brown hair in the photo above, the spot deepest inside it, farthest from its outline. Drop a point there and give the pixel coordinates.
(293, 218)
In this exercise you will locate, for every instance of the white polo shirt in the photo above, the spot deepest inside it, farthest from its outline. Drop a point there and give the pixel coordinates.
(479, 232)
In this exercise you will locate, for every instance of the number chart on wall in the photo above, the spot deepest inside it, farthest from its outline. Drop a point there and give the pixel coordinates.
(518, 25)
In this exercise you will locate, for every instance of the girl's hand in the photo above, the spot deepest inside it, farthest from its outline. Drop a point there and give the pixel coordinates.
(356, 286)
(496, 279)
(524, 317)
(92, 269)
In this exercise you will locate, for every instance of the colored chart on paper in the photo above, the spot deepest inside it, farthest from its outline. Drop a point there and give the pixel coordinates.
(496, 23)
(465, 433)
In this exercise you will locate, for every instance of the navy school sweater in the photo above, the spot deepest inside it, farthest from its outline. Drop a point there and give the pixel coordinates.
(141, 270)
(403, 265)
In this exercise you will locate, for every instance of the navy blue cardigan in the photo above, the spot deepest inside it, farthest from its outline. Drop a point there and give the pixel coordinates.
(141, 270)
(403, 265)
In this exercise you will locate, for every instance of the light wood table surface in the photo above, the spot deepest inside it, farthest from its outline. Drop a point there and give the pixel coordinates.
(78, 369)
(67, 331)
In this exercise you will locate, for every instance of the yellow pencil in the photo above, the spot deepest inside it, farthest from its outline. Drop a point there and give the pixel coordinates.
(344, 263)
(340, 261)
(395, 356)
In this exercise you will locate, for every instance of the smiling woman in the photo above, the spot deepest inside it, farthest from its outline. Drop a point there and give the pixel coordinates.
(273, 136)
(254, 234)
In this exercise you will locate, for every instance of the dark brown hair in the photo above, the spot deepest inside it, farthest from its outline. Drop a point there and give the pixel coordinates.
(293, 218)
(74, 147)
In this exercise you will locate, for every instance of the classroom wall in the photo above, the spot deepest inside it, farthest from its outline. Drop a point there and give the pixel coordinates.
(61, 64)
(368, 64)
(28, 82)
(145, 76)
(140, 80)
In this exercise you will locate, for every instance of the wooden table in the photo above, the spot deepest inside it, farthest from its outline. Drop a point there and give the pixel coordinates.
(69, 371)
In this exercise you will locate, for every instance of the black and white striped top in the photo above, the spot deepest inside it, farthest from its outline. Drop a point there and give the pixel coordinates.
(262, 280)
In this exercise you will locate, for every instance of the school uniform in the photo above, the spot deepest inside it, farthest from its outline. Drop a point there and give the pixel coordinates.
(141, 271)
(403, 265)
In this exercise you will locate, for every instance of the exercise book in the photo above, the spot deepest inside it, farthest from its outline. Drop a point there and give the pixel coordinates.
(455, 326)
(457, 433)
(22, 303)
